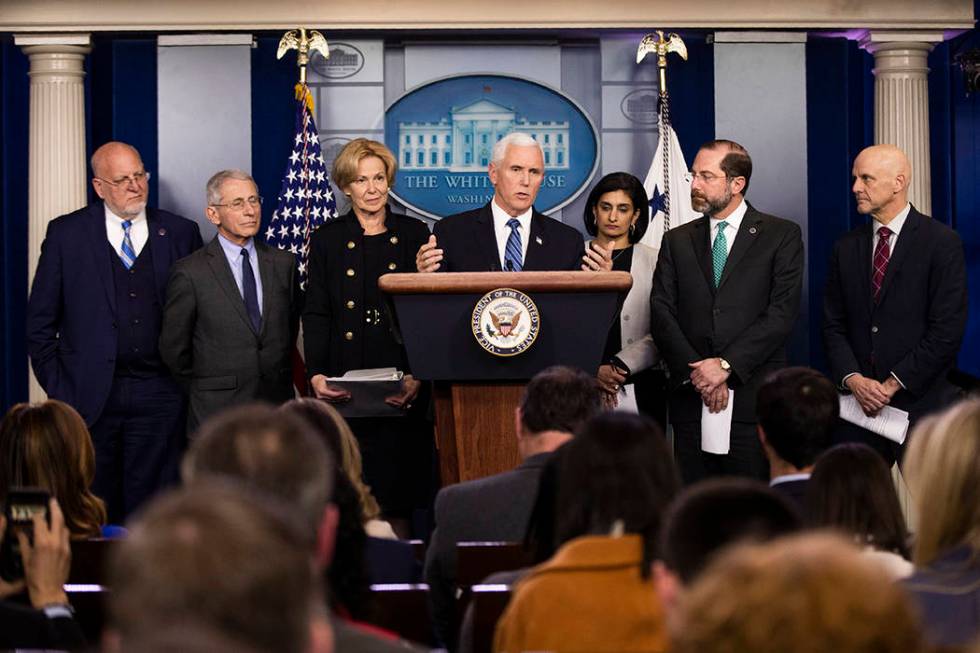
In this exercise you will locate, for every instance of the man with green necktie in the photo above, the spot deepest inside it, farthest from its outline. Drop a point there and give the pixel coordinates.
(726, 294)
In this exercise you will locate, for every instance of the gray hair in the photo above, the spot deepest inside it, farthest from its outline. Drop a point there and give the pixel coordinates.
(520, 139)
(219, 178)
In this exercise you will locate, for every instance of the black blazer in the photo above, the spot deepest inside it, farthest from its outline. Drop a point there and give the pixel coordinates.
(71, 316)
(335, 301)
(746, 320)
(207, 339)
(917, 326)
(470, 245)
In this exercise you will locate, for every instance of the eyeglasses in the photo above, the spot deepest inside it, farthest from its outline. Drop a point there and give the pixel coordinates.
(138, 178)
(239, 204)
(705, 177)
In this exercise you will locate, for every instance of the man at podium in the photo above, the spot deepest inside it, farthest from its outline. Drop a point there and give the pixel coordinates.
(508, 234)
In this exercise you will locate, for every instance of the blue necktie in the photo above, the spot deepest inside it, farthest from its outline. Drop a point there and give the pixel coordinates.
(513, 259)
(719, 252)
(249, 293)
(127, 253)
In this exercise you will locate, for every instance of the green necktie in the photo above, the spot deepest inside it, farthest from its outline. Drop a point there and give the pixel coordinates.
(719, 252)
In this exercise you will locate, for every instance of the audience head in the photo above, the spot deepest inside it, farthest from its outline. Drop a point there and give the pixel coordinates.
(274, 453)
(797, 409)
(47, 445)
(347, 575)
(805, 593)
(555, 405)
(617, 475)
(342, 444)
(715, 514)
(942, 469)
(851, 489)
(220, 555)
(618, 190)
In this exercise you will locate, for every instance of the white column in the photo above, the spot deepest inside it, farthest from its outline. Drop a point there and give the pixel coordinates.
(902, 101)
(57, 169)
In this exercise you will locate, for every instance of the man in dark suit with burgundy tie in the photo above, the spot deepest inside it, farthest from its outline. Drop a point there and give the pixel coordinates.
(726, 294)
(508, 234)
(895, 302)
(93, 320)
(231, 315)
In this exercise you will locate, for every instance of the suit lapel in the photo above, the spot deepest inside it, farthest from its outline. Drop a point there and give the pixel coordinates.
(98, 242)
(701, 242)
(900, 250)
(748, 234)
(159, 242)
(865, 244)
(537, 244)
(484, 233)
(267, 274)
(218, 263)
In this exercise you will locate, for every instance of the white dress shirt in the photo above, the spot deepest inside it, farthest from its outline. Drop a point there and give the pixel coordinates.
(734, 221)
(139, 232)
(895, 226)
(502, 231)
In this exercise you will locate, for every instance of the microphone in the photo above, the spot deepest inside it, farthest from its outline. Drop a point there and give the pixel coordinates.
(509, 265)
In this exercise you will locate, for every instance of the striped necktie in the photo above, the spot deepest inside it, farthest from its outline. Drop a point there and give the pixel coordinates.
(513, 259)
(127, 254)
(719, 252)
(880, 261)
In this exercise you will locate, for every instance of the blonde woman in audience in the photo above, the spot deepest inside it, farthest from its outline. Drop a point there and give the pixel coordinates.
(804, 594)
(942, 469)
(331, 424)
(47, 445)
(615, 480)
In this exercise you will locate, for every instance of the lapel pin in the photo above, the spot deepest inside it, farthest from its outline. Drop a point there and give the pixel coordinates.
(752, 230)
(537, 239)
(162, 231)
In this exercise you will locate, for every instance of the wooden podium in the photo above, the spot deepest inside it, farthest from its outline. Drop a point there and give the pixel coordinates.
(476, 391)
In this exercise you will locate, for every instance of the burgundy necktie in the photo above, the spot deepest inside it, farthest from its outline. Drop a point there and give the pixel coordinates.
(882, 252)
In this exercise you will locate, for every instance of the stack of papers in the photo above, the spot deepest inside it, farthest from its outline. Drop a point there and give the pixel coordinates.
(368, 390)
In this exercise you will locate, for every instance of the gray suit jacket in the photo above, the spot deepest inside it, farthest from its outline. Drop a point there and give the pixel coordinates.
(208, 342)
(491, 509)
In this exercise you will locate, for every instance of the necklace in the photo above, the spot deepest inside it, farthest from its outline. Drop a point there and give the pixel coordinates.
(619, 253)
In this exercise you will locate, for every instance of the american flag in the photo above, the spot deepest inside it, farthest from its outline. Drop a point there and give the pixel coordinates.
(305, 200)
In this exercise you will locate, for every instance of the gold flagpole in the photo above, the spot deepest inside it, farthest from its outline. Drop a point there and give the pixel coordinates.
(304, 42)
(660, 46)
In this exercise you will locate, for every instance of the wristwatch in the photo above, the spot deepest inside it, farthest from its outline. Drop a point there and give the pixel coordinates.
(725, 365)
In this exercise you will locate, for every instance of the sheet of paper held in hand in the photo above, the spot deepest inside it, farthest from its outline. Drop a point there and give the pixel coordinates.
(368, 389)
(716, 428)
(890, 422)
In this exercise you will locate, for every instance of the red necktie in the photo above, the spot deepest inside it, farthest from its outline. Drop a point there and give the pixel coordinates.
(882, 252)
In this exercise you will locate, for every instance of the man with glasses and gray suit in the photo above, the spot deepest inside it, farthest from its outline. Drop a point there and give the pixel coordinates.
(93, 321)
(231, 314)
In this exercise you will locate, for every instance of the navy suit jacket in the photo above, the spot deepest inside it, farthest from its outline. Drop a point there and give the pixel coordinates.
(916, 328)
(71, 315)
(469, 243)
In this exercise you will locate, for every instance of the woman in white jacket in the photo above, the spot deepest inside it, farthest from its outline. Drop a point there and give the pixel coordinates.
(617, 213)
